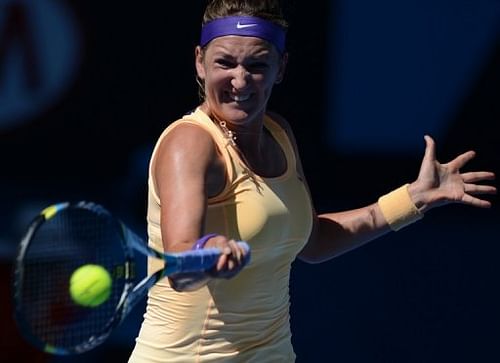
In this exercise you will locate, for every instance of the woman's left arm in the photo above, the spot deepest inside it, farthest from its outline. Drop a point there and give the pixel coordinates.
(436, 185)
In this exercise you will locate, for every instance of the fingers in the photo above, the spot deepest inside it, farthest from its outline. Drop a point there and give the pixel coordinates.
(430, 148)
(461, 160)
(232, 254)
(475, 189)
(475, 202)
(473, 177)
(455, 164)
(223, 261)
(472, 190)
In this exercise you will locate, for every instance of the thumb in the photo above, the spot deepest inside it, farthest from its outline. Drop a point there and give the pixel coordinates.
(430, 148)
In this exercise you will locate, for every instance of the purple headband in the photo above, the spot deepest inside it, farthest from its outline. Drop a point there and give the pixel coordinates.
(247, 26)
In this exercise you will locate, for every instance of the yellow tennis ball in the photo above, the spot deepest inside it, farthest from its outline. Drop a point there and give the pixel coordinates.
(90, 285)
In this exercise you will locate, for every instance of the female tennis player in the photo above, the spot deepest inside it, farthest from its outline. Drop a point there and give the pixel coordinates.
(231, 168)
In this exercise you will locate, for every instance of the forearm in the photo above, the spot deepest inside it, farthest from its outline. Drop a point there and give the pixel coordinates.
(337, 233)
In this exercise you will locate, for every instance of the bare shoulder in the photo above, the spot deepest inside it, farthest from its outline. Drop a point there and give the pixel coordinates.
(187, 142)
(187, 132)
(188, 154)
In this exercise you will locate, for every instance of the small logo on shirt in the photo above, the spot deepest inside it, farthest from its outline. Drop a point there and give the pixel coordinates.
(243, 26)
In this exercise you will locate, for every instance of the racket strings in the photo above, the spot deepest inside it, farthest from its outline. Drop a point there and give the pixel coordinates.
(71, 238)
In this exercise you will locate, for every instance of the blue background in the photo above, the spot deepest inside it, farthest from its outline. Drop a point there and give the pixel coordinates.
(365, 81)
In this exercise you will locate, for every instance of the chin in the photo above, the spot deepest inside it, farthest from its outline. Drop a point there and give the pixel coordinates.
(236, 114)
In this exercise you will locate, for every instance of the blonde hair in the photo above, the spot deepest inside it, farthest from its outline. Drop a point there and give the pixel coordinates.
(270, 10)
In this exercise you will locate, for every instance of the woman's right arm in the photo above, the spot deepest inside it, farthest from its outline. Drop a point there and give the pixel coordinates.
(186, 157)
(182, 162)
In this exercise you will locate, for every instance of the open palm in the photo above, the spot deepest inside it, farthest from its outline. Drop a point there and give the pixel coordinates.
(441, 184)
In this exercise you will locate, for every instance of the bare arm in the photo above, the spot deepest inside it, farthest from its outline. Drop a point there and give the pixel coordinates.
(179, 170)
(186, 157)
(336, 233)
(437, 184)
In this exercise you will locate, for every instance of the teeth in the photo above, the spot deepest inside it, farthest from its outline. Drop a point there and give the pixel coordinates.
(239, 98)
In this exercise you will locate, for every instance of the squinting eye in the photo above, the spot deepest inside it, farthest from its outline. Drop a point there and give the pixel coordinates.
(224, 63)
(259, 66)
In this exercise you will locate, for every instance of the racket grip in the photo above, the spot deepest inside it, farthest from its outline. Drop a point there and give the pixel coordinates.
(190, 281)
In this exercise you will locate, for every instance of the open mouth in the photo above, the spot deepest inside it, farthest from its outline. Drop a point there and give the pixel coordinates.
(239, 98)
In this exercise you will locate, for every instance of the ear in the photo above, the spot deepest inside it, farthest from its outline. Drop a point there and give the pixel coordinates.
(282, 68)
(198, 56)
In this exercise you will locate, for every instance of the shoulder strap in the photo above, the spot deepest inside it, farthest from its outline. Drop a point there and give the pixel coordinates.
(281, 136)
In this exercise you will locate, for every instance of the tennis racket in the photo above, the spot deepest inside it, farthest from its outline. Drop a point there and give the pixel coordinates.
(64, 237)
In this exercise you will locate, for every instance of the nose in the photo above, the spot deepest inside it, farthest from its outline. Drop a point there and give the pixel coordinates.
(240, 77)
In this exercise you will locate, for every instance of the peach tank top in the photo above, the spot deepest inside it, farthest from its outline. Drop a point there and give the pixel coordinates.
(244, 319)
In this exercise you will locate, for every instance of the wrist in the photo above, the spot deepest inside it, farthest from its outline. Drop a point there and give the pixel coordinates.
(398, 208)
(200, 243)
(417, 196)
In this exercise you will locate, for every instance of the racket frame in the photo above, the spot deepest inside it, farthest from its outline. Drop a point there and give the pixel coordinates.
(132, 292)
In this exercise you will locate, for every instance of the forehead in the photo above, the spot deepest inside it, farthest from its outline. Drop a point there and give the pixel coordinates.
(236, 45)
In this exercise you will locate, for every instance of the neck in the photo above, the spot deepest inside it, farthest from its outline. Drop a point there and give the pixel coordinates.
(247, 135)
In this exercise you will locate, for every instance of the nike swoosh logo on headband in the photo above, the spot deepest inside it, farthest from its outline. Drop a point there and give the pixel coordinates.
(243, 26)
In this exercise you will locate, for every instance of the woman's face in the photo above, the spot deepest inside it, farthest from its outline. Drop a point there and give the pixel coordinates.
(239, 74)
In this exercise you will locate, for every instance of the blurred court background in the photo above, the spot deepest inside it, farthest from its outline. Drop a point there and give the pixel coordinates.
(87, 86)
